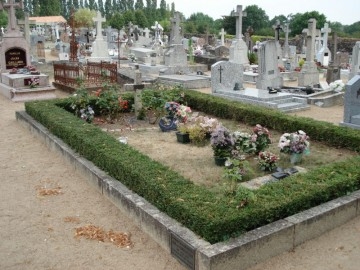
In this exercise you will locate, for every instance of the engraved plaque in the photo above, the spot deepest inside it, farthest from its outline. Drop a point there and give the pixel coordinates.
(183, 251)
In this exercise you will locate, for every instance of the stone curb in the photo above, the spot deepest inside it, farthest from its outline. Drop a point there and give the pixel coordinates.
(194, 253)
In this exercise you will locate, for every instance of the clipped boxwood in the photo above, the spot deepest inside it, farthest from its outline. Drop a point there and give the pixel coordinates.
(213, 218)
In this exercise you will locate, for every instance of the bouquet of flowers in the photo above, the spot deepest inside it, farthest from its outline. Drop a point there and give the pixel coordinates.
(296, 142)
(221, 142)
(261, 137)
(267, 161)
(175, 110)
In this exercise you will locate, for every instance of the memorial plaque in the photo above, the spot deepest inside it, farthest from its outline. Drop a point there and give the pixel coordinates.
(183, 251)
(15, 58)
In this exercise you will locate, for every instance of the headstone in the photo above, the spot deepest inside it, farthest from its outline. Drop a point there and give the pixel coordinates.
(309, 75)
(146, 32)
(14, 50)
(352, 103)
(225, 75)
(355, 60)
(176, 55)
(238, 48)
(99, 46)
(269, 74)
(324, 55)
(333, 72)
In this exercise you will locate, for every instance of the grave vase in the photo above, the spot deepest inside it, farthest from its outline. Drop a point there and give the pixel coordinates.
(167, 123)
(220, 161)
(182, 137)
(295, 158)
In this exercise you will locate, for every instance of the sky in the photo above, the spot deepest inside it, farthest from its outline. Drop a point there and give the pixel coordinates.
(344, 11)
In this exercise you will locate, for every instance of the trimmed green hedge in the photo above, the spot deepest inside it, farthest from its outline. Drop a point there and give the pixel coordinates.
(213, 218)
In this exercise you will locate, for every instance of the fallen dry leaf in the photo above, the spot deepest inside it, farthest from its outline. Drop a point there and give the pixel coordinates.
(72, 219)
(97, 233)
(49, 191)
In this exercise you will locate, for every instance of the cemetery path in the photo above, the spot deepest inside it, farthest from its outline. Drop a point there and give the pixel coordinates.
(38, 231)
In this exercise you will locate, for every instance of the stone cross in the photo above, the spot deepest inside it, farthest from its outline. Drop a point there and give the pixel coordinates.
(325, 30)
(222, 33)
(87, 35)
(238, 14)
(26, 23)
(98, 20)
(287, 30)
(175, 29)
(277, 27)
(11, 6)
(311, 32)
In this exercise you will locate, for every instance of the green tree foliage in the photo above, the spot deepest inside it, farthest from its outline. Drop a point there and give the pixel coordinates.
(50, 8)
(203, 23)
(76, 4)
(92, 5)
(139, 4)
(117, 21)
(101, 7)
(35, 11)
(163, 11)
(84, 17)
(140, 18)
(3, 18)
(130, 5)
(353, 29)
(108, 10)
(299, 22)
(255, 17)
(129, 16)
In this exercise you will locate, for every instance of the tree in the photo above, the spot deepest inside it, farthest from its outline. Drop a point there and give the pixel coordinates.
(92, 5)
(201, 21)
(299, 22)
(101, 7)
(50, 8)
(163, 12)
(84, 17)
(108, 11)
(140, 18)
(3, 19)
(35, 8)
(129, 16)
(353, 29)
(139, 4)
(255, 17)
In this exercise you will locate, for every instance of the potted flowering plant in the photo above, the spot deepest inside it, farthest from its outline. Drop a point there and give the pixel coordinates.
(176, 113)
(296, 144)
(222, 144)
(261, 137)
(267, 161)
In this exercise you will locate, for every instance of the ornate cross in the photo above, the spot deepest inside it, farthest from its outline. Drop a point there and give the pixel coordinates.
(238, 14)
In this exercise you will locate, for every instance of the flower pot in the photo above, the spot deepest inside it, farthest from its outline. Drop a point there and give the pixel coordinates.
(182, 137)
(220, 161)
(295, 158)
(167, 124)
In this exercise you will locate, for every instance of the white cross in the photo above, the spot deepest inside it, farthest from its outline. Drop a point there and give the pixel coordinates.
(325, 30)
(222, 33)
(98, 20)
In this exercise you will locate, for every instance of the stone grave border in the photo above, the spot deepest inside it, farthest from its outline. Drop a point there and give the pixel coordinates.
(194, 253)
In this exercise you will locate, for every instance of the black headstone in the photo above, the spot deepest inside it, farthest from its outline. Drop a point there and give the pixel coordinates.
(15, 58)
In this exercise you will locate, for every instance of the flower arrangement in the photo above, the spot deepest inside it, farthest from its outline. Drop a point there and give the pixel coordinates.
(221, 141)
(175, 110)
(296, 142)
(87, 114)
(13, 71)
(267, 161)
(337, 86)
(261, 137)
(34, 81)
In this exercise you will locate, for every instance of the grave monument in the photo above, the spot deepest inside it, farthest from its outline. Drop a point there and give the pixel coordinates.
(19, 80)
(355, 60)
(324, 55)
(14, 48)
(238, 48)
(99, 46)
(269, 74)
(352, 103)
(309, 75)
